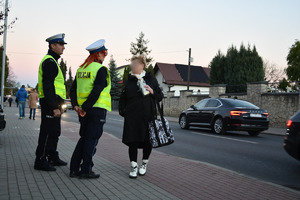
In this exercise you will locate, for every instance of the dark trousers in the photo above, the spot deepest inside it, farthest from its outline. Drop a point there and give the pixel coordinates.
(32, 109)
(50, 130)
(91, 129)
(133, 151)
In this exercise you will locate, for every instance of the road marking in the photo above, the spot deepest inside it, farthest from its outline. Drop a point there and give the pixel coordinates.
(116, 119)
(215, 136)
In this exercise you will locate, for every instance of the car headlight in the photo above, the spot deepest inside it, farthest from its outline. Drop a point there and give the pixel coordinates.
(64, 106)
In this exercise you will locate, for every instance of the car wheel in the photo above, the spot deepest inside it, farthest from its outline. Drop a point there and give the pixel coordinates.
(254, 133)
(218, 126)
(183, 122)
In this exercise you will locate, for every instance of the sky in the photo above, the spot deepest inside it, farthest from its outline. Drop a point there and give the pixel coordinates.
(171, 26)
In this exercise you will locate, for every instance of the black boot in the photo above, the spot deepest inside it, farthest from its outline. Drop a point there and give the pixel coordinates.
(58, 162)
(89, 175)
(45, 166)
(74, 174)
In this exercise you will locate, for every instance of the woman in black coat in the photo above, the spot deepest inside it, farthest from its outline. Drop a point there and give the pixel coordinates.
(137, 106)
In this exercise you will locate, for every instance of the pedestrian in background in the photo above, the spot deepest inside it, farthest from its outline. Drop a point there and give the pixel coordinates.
(90, 96)
(10, 100)
(21, 96)
(32, 102)
(52, 92)
(137, 106)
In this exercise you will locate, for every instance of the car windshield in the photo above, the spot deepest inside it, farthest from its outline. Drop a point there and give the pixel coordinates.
(240, 104)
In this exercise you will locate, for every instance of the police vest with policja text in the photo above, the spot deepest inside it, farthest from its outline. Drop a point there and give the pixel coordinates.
(85, 78)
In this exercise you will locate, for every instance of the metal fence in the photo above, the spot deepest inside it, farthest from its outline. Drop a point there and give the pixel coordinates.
(275, 87)
(236, 88)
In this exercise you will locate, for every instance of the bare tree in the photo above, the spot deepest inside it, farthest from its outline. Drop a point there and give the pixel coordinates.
(2, 16)
(273, 74)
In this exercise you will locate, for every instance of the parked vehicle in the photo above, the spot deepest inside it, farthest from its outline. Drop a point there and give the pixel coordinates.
(64, 106)
(291, 142)
(2, 119)
(224, 114)
(69, 104)
(38, 105)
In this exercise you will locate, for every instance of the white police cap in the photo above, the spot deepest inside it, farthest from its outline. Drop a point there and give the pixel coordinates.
(58, 38)
(96, 46)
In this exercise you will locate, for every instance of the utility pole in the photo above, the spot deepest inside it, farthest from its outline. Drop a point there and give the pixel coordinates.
(189, 71)
(4, 52)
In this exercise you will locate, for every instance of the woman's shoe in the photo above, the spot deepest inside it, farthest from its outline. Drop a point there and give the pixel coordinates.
(134, 170)
(143, 168)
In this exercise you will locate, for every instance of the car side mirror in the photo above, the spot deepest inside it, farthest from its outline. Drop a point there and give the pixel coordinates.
(192, 107)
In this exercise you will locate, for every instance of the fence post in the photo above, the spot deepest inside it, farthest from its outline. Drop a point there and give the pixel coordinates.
(216, 91)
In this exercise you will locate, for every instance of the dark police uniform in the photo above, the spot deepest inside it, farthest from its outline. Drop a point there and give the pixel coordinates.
(94, 99)
(50, 129)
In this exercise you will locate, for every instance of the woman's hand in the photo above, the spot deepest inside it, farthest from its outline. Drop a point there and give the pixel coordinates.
(148, 88)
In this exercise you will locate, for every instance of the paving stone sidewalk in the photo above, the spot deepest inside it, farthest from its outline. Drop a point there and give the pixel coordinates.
(168, 177)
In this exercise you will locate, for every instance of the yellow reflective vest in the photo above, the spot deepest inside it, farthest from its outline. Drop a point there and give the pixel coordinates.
(85, 78)
(59, 81)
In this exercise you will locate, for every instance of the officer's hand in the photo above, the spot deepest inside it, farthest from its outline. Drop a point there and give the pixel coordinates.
(82, 113)
(56, 113)
(76, 108)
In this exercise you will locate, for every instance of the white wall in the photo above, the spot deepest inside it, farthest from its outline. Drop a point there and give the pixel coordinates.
(161, 80)
(177, 88)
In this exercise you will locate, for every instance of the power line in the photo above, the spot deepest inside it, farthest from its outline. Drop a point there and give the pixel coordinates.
(28, 53)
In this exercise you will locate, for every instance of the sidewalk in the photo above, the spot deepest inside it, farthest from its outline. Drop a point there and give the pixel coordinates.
(168, 177)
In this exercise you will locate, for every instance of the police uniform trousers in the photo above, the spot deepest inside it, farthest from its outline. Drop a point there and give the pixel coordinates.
(50, 131)
(91, 129)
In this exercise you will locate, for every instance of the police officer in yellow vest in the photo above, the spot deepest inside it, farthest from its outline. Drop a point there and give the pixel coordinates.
(90, 97)
(52, 92)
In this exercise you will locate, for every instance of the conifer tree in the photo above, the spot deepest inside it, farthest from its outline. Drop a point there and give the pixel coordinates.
(115, 91)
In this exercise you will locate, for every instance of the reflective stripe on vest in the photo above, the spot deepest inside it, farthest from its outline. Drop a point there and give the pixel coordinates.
(59, 81)
(85, 78)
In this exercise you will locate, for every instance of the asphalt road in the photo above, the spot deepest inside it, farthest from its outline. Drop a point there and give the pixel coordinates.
(261, 157)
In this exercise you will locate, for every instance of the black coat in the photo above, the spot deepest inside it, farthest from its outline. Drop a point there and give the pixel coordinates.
(138, 109)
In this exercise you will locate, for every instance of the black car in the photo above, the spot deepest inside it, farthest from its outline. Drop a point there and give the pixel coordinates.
(68, 104)
(224, 114)
(292, 138)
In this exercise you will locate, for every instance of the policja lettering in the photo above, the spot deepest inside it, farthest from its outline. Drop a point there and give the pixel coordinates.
(84, 75)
